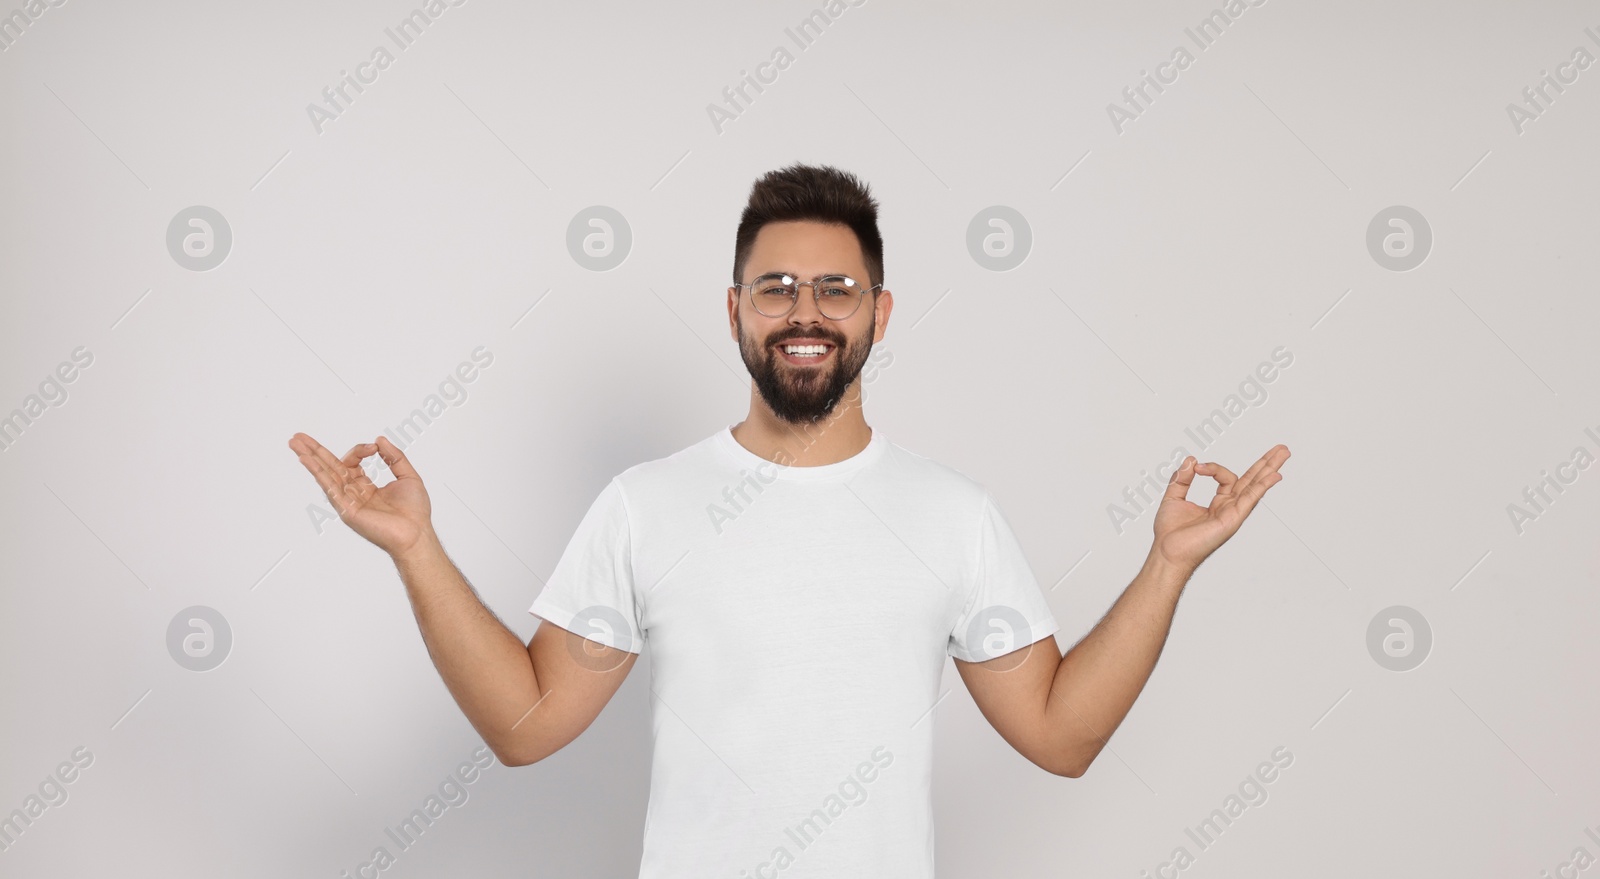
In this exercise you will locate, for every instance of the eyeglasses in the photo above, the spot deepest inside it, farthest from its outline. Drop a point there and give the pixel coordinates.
(837, 296)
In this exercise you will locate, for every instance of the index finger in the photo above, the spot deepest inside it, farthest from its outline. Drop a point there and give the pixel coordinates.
(357, 452)
(1224, 477)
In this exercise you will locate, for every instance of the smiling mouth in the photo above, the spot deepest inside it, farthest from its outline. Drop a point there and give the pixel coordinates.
(805, 355)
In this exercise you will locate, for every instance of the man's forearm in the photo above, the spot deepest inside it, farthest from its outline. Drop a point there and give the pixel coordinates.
(485, 665)
(1100, 677)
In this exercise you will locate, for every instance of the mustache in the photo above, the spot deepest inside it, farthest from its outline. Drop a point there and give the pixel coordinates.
(789, 337)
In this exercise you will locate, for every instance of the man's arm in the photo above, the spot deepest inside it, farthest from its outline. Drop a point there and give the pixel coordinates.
(526, 701)
(1060, 711)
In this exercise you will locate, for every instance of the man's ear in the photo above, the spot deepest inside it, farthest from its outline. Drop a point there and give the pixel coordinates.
(885, 305)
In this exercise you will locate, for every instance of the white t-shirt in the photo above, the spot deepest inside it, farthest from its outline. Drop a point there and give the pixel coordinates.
(798, 620)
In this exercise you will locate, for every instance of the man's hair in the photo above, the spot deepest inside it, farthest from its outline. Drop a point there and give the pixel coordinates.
(809, 192)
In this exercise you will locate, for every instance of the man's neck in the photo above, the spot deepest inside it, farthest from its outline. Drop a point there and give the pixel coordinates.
(841, 434)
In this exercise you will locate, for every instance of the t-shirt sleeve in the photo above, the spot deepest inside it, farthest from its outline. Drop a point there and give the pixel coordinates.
(590, 592)
(1005, 610)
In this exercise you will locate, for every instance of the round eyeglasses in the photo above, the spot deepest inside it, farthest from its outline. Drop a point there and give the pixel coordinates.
(837, 296)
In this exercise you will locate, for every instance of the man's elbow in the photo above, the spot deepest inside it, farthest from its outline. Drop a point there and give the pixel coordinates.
(1067, 770)
(1056, 764)
(1071, 765)
(510, 755)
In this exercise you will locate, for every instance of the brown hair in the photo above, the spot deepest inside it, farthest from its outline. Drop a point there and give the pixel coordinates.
(809, 192)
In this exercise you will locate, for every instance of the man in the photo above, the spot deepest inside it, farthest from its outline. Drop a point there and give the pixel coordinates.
(800, 579)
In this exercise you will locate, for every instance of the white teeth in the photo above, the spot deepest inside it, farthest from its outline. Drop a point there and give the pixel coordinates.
(805, 349)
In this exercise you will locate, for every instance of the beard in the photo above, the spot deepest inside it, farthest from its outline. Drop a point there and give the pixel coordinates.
(805, 394)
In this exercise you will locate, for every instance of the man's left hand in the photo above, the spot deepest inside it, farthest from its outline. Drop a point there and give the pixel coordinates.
(1186, 533)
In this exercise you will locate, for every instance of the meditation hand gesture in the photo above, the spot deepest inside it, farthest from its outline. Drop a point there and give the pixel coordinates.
(1186, 533)
(394, 517)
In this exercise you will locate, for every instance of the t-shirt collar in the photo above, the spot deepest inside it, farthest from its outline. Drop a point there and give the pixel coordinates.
(746, 459)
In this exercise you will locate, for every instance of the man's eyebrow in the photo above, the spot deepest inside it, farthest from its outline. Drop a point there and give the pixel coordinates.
(797, 274)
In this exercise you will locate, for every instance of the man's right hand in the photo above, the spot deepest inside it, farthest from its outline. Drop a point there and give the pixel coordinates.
(396, 517)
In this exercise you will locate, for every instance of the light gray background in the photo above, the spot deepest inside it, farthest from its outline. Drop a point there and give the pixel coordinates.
(368, 260)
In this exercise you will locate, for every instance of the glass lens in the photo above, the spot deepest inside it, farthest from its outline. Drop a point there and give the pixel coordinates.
(838, 296)
(773, 294)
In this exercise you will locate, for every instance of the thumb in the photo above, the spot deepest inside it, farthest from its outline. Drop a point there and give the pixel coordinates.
(1178, 485)
(397, 461)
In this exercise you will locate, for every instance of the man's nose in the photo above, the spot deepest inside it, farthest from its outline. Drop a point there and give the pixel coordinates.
(805, 306)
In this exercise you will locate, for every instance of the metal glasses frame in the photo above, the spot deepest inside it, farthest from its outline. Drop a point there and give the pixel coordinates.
(816, 293)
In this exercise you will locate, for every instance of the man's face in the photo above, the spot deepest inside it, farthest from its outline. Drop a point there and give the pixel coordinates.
(801, 389)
